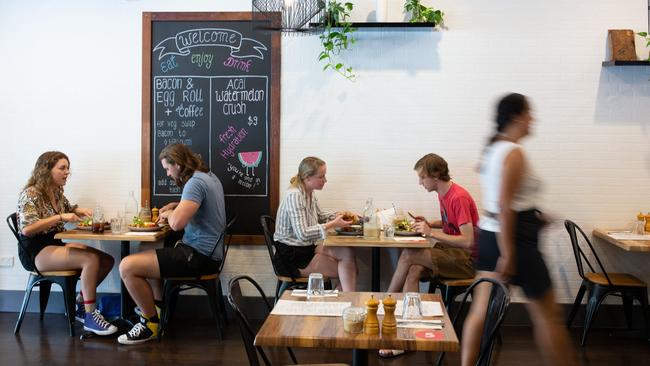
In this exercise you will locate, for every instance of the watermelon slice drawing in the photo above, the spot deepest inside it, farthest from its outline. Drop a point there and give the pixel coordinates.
(250, 159)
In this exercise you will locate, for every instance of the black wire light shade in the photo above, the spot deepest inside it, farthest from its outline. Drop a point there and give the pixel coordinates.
(286, 15)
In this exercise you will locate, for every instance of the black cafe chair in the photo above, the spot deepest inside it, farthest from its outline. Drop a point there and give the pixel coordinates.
(67, 280)
(496, 312)
(598, 283)
(284, 281)
(210, 283)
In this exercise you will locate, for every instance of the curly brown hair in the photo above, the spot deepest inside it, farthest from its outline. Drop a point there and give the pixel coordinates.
(434, 166)
(188, 161)
(41, 178)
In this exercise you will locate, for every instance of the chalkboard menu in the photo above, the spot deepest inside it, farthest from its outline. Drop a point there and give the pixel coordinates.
(211, 82)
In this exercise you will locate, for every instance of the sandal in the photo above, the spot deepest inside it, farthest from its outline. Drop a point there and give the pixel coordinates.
(390, 353)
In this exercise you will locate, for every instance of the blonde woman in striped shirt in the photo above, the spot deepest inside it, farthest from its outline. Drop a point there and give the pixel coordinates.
(301, 224)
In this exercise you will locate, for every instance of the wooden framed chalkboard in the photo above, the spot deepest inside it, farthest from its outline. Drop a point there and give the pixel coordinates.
(212, 82)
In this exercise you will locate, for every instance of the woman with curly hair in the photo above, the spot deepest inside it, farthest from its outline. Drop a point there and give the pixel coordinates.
(42, 212)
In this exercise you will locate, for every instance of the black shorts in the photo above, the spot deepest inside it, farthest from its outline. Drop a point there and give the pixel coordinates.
(289, 259)
(532, 273)
(30, 247)
(184, 261)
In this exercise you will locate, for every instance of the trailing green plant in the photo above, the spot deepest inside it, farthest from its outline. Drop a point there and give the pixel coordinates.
(647, 40)
(336, 37)
(423, 14)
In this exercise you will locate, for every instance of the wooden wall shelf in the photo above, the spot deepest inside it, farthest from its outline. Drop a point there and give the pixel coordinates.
(626, 63)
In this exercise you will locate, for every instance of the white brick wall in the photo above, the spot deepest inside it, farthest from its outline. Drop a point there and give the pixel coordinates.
(418, 91)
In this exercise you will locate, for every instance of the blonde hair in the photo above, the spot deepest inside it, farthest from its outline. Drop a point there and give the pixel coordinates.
(308, 168)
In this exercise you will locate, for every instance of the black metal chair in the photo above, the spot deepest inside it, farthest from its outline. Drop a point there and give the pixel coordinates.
(67, 280)
(284, 281)
(600, 284)
(496, 312)
(450, 288)
(236, 301)
(210, 283)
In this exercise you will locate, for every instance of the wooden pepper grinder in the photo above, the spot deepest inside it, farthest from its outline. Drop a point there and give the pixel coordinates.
(389, 324)
(371, 324)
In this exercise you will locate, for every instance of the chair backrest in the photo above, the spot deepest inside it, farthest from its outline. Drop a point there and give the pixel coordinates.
(268, 227)
(235, 299)
(12, 222)
(496, 311)
(572, 228)
(227, 237)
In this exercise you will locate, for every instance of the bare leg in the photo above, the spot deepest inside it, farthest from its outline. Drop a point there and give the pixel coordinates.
(337, 262)
(57, 258)
(135, 270)
(408, 258)
(473, 325)
(106, 261)
(156, 288)
(415, 273)
(551, 335)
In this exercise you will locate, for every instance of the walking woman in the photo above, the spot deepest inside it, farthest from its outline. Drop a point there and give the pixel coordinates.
(301, 223)
(42, 212)
(508, 240)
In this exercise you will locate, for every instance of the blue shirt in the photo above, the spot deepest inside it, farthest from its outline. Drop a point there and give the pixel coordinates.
(205, 227)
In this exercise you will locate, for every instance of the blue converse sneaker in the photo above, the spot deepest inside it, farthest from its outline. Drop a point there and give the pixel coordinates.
(140, 333)
(95, 322)
(80, 312)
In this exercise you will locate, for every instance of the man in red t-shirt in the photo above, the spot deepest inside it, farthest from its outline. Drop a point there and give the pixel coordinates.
(452, 256)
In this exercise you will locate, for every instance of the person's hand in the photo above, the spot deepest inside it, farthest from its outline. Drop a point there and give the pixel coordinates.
(506, 269)
(70, 217)
(163, 215)
(339, 221)
(81, 212)
(168, 207)
(422, 227)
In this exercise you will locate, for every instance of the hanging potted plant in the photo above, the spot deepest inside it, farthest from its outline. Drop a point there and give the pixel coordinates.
(336, 37)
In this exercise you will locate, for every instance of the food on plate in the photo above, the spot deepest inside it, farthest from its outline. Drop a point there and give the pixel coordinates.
(404, 225)
(138, 222)
(87, 222)
(348, 216)
(350, 229)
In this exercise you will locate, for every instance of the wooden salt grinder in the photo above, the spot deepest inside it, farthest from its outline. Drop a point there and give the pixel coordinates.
(371, 324)
(389, 324)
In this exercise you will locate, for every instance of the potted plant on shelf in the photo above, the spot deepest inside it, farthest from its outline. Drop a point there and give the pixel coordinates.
(647, 40)
(336, 37)
(423, 14)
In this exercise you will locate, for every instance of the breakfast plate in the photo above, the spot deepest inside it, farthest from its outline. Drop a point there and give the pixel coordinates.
(145, 229)
(406, 233)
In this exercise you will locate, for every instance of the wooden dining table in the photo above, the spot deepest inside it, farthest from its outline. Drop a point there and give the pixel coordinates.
(335, 240)
(618, 238)
(125, 239)
(327, 331)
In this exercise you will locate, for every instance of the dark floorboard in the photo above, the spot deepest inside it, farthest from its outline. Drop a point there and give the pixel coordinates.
(194, 342)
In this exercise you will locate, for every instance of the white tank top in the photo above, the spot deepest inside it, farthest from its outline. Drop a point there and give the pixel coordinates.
(491, 174)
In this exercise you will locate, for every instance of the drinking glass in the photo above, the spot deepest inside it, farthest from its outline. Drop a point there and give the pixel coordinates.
(315, 285)
(412, 306)
(116, 226)
(389, 231)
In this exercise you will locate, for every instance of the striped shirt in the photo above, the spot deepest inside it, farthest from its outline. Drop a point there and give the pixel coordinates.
(299, 221)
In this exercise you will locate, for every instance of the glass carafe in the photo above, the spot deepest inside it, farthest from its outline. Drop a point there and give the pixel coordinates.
(130, 209)
(370, 226)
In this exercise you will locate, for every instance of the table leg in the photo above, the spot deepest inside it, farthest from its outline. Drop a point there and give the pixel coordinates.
(376, 273)
(126, 303)
(359, 357)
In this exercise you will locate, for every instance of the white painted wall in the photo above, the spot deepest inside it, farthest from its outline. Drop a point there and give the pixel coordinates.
(71, 80)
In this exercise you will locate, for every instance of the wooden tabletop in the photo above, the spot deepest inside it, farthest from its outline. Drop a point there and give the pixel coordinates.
(327, 331)
(628, 245)
(334, 240)
(108, 235)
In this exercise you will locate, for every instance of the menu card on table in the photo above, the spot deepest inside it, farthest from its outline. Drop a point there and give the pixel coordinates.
(627, 235)
(312, 308)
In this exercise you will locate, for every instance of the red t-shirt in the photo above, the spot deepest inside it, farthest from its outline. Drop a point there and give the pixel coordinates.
(457, 207)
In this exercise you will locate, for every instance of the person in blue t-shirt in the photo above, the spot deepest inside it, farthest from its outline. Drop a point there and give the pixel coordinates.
(201, 213)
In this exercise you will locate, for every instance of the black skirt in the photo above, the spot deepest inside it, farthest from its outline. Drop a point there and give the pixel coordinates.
(29, 248)
(288, 259)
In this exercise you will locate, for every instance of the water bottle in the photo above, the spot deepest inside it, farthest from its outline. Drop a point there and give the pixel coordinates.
(370, 227)
(130, 208)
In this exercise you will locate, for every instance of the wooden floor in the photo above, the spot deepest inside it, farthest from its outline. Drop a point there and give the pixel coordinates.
(194, 342)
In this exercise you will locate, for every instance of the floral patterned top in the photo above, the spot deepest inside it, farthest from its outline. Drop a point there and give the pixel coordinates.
(33, 207)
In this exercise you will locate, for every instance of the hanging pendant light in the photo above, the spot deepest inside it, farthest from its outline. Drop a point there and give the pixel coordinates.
(286, 15)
